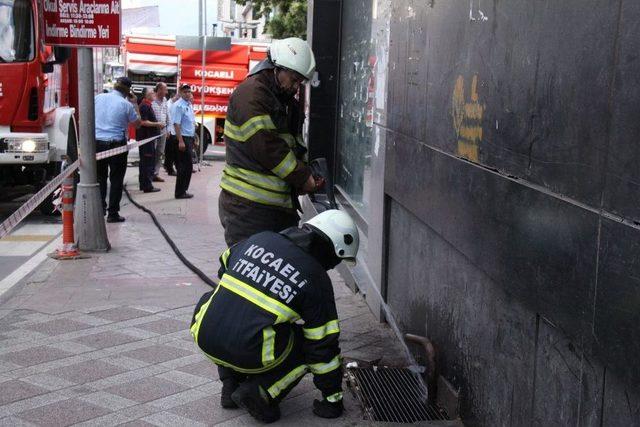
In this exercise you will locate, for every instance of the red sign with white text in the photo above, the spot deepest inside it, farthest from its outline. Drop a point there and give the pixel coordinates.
(215, 106)
(81, 23)
(236, 73)
(212, 88)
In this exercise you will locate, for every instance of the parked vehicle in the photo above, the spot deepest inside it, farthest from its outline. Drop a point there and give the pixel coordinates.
(152, 59)
(38, 95)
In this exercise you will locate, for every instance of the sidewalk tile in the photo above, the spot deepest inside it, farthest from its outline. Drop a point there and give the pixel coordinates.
(138, 333)
(136, 423)
(35, 356)
(157, 353)
(206, 410)
(87, 371)
(177, 399)
(48, 382)
(146, 389)
(119, 314)
(57, 327)
(73, 347)
(165, 326)
(108, 400)
(14, 422)
(14, 390)
(167, 419)
(105, 339)
(125, 362)
(184, 379)
(63, 413)
(204, 368)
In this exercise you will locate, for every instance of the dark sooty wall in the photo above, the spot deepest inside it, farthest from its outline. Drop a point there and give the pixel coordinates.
(513, 182)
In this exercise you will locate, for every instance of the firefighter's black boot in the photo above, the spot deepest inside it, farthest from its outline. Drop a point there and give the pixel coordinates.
(229, 385)
(251, 397)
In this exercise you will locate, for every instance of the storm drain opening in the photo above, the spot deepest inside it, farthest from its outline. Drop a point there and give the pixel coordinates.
(392, 395)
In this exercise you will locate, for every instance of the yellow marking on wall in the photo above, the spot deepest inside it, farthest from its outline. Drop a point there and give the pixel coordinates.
(458, 104)
(467, 119)
(473, 111)
(471, 133)
(474, 89)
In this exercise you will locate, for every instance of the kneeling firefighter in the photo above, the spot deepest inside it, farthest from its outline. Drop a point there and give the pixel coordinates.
(247, 324)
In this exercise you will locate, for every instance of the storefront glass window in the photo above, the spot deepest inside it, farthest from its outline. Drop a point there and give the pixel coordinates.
(356, 104)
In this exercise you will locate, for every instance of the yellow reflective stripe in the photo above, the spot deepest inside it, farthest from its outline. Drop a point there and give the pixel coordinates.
(195, 328)
(268, 345)
(336, 397)
(289, 139)
(277, 362)
(323, 368)
(286, 166)
(254, 194)
(286, 381)
(267, 182)
(249, 128)
(225, 256)
(281, 311)
(320, 332)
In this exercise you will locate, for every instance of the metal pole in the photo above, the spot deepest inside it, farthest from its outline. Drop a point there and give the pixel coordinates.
(203, 34)
(89, 216)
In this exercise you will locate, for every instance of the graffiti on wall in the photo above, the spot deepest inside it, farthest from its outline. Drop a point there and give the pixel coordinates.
(467, 113)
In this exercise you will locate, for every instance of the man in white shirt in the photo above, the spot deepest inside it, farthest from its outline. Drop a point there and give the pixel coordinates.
(160, 109)
(171, 145)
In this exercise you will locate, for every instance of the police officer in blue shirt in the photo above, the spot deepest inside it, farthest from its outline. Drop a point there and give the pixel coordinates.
(115, 111)
(184, 124)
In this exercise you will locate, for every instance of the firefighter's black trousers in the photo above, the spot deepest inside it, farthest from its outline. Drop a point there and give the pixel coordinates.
(279, 381)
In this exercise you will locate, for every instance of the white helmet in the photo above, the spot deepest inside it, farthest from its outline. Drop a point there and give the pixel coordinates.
(294, 54)
(338, 227)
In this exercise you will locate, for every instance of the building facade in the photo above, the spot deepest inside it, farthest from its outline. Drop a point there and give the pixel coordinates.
(237, 21)
(489, 152)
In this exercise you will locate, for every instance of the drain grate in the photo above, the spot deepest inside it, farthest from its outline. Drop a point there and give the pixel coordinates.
(392, 395)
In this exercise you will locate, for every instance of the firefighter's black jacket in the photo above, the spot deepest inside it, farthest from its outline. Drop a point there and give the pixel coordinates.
(266, 284)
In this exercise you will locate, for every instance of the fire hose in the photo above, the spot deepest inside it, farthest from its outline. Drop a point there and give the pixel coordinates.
(171, 243)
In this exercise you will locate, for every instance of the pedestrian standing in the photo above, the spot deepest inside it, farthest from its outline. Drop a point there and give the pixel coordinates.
(171, 146)
(184, 123)
(114, 112)
(149, 128)
(160, 110)
(265, 171)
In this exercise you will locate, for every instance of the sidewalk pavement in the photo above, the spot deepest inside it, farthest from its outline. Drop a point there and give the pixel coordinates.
(105, 340)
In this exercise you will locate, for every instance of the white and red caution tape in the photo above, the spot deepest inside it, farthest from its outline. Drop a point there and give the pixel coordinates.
(34, 201)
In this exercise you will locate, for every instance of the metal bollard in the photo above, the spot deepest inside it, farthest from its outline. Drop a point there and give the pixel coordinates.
(69, 249)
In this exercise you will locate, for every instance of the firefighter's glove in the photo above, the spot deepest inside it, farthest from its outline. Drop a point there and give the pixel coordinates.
(320, 181)
(299, 151)
(325, 409)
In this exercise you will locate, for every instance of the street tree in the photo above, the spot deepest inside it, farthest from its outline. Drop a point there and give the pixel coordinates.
(285, 18)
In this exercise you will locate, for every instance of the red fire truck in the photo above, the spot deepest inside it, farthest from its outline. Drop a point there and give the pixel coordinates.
(37, 124)
(152, 59)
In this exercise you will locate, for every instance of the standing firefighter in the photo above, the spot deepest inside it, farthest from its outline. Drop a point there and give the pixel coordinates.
(247, 324)
(264, 173)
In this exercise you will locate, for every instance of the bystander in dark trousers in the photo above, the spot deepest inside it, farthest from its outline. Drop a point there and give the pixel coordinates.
(170, 149)
(147, 165)
(113, 168)
(184, 166)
